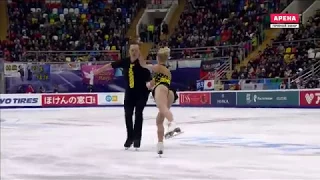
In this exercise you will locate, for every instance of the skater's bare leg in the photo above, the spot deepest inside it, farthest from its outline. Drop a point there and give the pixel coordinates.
(160, 119)
(162, 98)
(160, 131)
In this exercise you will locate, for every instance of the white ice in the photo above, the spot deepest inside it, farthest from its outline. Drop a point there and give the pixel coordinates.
(218, 144)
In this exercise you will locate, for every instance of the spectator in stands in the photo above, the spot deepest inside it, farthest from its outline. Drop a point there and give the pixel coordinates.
(20, 90)
(165, 28)
(21, 72)
(214, 23)
(30, 89)
(218, 23)
(313, 83)
(42, 90)
(143, 32)
(67, 26)
(291, 55)
(56, 89)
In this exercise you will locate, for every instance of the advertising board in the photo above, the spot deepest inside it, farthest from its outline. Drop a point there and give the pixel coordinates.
(20, 100)
(61, 100)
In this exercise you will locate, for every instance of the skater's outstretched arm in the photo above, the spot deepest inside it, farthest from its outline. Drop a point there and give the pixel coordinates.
(103, 68)
(144, 64)
(115, 64)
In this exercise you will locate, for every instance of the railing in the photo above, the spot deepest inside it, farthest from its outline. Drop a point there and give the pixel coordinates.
(239, 51)
(69, 56)
(256, 84)
(296, 42)
(225, 67)
(216, 68)
(160, 4)
(313, 69)
(309, 74)
(265, 84)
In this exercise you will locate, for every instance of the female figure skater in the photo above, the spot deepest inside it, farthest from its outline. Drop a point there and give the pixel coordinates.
(163, 95)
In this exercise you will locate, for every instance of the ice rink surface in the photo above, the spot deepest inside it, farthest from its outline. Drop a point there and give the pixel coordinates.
(218, 144)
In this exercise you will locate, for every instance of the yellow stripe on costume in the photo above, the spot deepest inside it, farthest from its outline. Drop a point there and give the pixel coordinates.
(131, 76)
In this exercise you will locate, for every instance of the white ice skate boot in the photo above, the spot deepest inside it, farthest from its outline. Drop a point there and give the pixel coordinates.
(160, 148)
(173, 130)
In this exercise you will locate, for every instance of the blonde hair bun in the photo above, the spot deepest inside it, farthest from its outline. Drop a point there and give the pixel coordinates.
(164, 51)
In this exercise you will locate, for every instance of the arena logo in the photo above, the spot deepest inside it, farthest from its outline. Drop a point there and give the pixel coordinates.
(284, 20)
(247, 143)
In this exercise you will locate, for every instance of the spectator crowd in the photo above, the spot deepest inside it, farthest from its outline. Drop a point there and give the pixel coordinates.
(206, 29)
(67, 25)
(292, 54)
(234, 28)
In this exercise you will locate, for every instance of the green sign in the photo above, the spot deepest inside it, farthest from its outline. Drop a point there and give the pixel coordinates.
(268, 98)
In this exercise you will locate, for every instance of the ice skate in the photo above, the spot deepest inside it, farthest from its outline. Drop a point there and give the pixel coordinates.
(136, 144)
(172, 130)
(128, 144)
(160, 148)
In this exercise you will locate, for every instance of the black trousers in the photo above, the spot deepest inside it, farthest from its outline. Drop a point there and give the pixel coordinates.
(134, 102)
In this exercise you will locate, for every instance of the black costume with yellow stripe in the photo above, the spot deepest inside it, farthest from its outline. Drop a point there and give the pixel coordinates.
(160, 78)
(136, 97)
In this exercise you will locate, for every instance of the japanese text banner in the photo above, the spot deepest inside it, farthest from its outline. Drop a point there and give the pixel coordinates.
(61, 100)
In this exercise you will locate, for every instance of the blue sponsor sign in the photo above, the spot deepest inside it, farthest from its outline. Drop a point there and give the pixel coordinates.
(224, 99)
(108, 98)
(200, 85)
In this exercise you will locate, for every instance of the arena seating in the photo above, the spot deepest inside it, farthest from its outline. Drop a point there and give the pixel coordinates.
(220, 23)
(214, 23)
(67, 25)
(290, 55)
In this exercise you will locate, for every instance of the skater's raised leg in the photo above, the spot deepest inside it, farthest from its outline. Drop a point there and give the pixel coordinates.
(164, 105)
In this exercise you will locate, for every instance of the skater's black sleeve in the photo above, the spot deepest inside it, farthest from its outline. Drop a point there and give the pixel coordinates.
(119, 64)
(148, 75)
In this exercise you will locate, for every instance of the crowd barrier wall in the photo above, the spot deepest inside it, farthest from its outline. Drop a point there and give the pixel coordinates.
(306, 98)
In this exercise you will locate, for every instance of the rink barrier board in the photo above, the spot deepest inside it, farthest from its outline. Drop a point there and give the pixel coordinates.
(307, 98)
(151, 105)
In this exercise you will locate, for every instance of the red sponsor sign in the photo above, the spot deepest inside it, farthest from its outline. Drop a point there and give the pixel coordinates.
(69, 99)
(310, 98)
(285, 18)
(195, 98)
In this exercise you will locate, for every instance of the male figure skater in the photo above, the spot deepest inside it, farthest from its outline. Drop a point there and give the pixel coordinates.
(136, 94)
